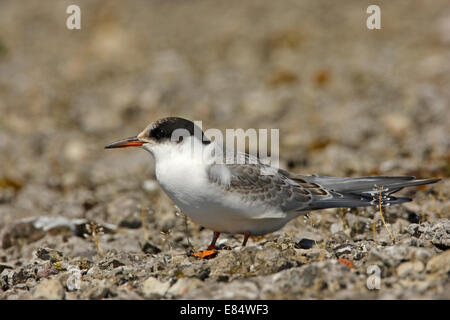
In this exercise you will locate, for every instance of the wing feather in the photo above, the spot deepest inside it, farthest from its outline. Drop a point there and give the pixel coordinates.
(264, 185)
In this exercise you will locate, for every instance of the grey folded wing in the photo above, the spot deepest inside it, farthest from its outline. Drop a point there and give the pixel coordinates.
(261, 184)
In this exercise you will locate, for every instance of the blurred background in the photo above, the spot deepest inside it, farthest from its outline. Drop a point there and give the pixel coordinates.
(347, 100)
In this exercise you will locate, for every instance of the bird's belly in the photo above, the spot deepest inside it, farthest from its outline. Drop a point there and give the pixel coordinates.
(230, 223)
(214, 208)
(211, 210)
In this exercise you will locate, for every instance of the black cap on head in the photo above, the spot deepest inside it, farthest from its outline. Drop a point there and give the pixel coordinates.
(166, 129)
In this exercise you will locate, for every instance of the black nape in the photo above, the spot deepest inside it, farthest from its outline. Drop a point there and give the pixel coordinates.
(166, 129)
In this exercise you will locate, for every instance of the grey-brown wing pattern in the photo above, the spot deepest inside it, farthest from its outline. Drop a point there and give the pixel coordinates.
(261, 184)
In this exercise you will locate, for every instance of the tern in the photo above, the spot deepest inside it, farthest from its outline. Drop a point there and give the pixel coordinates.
(239, 194)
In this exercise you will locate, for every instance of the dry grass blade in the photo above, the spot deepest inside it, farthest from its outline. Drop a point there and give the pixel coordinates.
(94, 231)
(380, 202)
(144, 225)
(187, 231)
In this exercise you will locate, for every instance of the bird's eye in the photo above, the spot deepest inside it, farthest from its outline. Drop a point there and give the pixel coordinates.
(180, 139)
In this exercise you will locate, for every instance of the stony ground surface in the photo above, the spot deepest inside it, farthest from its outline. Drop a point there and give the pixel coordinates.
(80, 222)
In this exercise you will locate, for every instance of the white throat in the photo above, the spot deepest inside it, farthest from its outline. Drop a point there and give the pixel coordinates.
(181, 169)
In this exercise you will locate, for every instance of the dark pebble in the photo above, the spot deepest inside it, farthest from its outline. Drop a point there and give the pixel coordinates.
(305, 244)
(149, 248)
(130, 223)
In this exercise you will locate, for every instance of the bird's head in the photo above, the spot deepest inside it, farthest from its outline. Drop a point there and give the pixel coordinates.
(167, 132)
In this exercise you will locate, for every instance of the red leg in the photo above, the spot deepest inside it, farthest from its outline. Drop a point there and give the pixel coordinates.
(246, 235)
(211, 250)
(212, 246)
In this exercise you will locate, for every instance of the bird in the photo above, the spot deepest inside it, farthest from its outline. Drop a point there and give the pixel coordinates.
(237, 193)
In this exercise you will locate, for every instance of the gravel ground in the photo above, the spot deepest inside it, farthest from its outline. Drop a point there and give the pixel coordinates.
(80, 222)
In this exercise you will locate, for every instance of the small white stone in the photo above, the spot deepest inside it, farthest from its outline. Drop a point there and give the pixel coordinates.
(439, 263)
(337, 227)
(48, 289)
(184, 285)
(153, 288)
(150, 185)
(409, 267)
(75, 150)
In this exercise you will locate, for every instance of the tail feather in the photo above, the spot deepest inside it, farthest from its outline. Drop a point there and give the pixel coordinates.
(363, 191)
(367, 184)
(352, 201)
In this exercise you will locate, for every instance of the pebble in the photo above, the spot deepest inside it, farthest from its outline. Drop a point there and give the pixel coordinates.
(440, 263)
(75, 150)
(184, 285)
(48, 289)
(149, 248)
(305, 244)
(337, 227)
(150, 185)
(409, 267)
(100, 291)
(152, 288)
(396, 123)
(49, 254)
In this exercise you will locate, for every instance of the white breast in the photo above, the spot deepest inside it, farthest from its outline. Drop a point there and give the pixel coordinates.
(184, 177)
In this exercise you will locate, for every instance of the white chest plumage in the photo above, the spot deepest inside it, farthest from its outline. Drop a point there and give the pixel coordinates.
(184, 178)
(184, 181)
